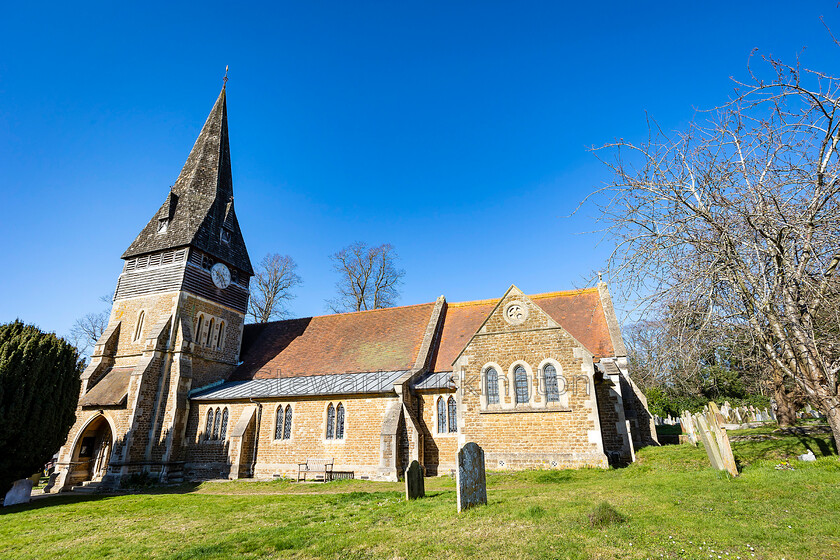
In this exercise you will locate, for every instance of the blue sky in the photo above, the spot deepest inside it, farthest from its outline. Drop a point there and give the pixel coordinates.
(457, 131)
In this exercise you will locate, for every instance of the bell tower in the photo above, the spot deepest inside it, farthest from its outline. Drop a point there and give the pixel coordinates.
(175, 325)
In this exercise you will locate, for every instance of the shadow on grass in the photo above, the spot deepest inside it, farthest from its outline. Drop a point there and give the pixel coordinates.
(64, 498)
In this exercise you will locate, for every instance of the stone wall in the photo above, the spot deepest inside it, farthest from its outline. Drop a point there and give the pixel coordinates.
(440, 450)
(535, 434)
(357, 452)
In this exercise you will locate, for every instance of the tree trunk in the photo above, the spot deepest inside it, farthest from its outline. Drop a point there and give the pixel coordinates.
(785, 409)
(831, 408)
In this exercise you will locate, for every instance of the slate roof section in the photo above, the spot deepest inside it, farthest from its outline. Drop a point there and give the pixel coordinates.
(111, 390)
(366, 341)
(435, 381)
(375, 382)
(580, 312)
(204, 202)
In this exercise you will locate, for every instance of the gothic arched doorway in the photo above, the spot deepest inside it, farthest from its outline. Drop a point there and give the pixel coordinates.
(93, 448)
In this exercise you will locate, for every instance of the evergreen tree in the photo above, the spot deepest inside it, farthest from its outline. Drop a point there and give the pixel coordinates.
(39, 389)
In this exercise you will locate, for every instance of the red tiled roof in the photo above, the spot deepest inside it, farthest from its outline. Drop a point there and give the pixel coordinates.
(390, 339)
(578, 311)
(460, 323)
(379, 340)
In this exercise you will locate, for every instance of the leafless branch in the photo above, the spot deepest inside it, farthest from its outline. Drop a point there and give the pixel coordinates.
(271, 288)
(368, 278)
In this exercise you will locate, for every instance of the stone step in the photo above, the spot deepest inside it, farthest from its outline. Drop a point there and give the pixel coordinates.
(88, 487)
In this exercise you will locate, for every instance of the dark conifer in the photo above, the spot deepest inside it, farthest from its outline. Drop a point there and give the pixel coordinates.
(39, 389)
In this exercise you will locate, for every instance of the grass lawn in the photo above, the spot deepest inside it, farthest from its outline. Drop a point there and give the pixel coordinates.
(669, 504)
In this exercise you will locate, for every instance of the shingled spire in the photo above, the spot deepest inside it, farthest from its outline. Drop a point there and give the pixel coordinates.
(198, 211)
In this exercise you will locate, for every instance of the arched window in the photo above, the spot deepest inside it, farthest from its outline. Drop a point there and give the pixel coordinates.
(330, 422)
(492, 387)
(209, 332)
(287, 426)
(208, 430)
(453, 415)
(441, 411)
(278, 423)
(197, 336)
(223, 429)
(220, 336)
(552, 392)
(339, 421)
(138, 330)
(217, 424)
(520, 378)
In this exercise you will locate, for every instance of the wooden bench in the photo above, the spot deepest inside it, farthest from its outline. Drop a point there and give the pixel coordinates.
(316, 466)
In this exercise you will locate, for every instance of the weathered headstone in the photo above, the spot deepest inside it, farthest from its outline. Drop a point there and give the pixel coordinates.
(688, 428)
(726, 411)
(50, 483)
(470, 477)
(20, 493)
(414, 485)
(716, 440)
(709, 442)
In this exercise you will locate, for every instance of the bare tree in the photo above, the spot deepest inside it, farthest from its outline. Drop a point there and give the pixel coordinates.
(86, 330)
(271, 288)
(738, 216)
(368, 278)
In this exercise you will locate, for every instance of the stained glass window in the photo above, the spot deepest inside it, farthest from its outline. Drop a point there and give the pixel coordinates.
(492, 377)
(441, 405)
(287, 428)
(330, 421)
(223, 429)
(552, 392)
(339, 421)
(208, 430)
(278, 423)
(217, 424)
(453, 415)
(521, 380)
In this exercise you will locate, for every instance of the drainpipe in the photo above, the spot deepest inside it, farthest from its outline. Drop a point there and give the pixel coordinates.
(256, 437)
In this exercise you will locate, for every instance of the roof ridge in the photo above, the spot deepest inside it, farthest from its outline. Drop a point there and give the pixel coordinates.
(347, 314)
(532, 296)
(565, 293)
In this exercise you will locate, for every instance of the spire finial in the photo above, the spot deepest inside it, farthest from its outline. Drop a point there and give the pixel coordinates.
(599, 277)
(224, 84)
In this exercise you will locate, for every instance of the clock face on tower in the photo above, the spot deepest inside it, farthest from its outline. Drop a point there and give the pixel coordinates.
(220, 275)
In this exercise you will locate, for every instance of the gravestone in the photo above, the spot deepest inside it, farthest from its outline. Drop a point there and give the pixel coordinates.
(20, 493)
(50, 483)
(470, 477)
(414, 485)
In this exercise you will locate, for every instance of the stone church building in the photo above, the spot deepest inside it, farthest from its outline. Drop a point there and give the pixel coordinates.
(181, 388)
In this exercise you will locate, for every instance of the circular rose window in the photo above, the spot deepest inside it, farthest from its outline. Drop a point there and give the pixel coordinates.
(516, 313)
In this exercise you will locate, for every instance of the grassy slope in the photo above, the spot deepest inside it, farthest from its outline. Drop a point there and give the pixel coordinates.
(674, 505)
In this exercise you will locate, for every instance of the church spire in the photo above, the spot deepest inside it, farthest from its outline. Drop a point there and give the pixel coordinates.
(200, 204)
(207, 170)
